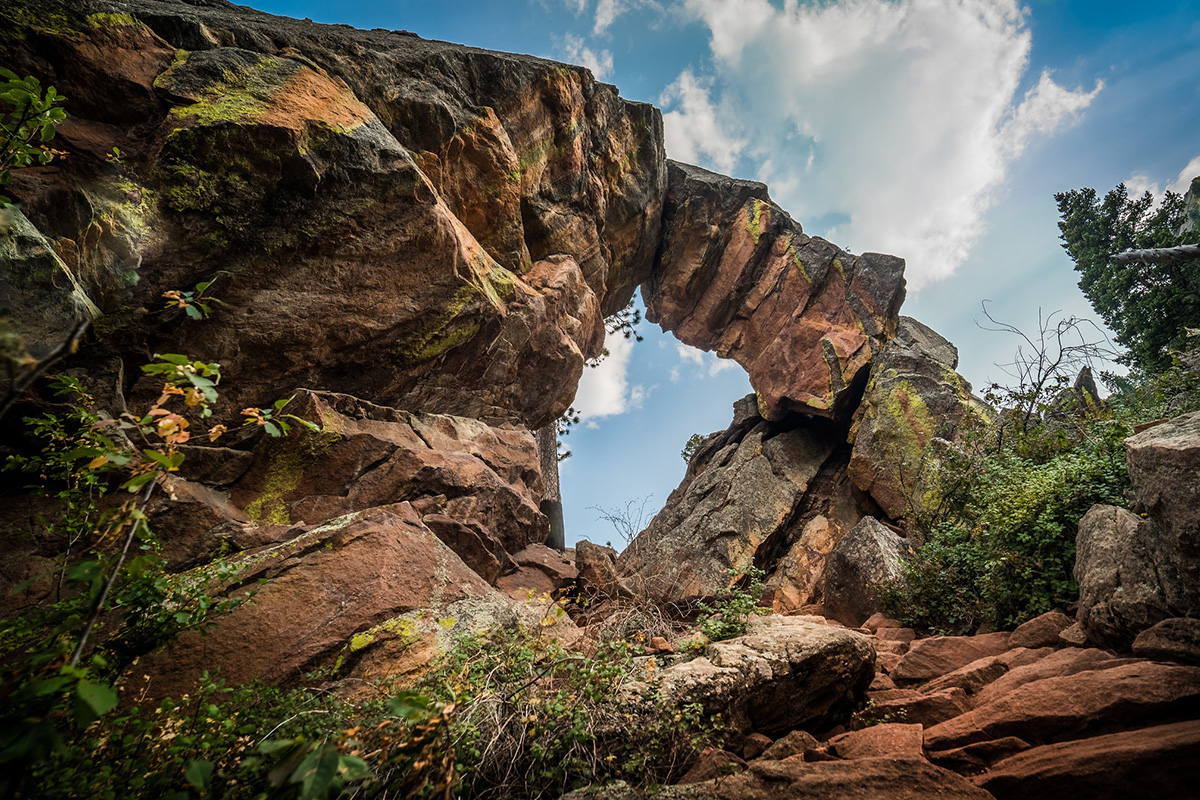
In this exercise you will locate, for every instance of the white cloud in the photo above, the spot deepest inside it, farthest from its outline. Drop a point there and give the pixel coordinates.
(1184, 181)
(607, 11)
(604, 389)
(893, 119)
(1139, 183)
(695, 130)
(575, 51)
(705, 363)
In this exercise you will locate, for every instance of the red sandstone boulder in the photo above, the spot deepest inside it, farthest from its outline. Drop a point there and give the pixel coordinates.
(485, 478)
(1157, 762)
(930, 658)
(794, 743)
(1171, 640)
(1041, 631)
(927, 709)
(898, 778)
(1091, 702)
(340, 596)
(887, 739)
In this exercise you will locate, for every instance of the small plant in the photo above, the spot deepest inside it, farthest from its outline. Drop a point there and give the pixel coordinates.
(729, 614)
(197, 303)
(536, 720)
(27, 120)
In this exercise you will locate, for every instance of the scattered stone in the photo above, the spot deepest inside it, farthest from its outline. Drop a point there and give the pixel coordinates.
(1042, 631)
(905, 635)
(927, 709)
(795, 743)
(1056, 664)
(936, 656)
(1175, 639)
(974, 758)
(978, 674)
(887, 739)
(1158, 762)
(597, 572)
(659, 644)
(557, 567)
(880, 620)
(713, 763)
(1091, 702)
(755, 745)
(1073, 636)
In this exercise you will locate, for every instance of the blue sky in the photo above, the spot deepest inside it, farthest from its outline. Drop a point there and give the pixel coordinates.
(937, 130)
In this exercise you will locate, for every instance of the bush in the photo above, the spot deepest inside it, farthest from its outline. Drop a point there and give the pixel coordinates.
(536, 720)
(728, 616)
(1004, 550)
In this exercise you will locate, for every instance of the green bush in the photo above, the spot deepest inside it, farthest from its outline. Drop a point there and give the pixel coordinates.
(533, 719)
(729, 614)
(1004, 549)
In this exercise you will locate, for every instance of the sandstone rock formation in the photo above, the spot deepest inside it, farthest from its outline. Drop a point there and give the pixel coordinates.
(914, 397)
(737, 275)
(863, 561)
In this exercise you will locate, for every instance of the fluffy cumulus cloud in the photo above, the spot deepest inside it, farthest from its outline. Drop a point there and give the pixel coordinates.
(575, 51)
(604, 390)
(886, 124)
(702, 364)
(1139, 183)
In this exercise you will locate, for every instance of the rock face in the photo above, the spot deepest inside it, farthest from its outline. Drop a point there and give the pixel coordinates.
(464, 215)
(486, 478)
(1128, 576)
(862, 561)
(737, 275)
(914, 397)
(361, 595)
(739, 494)
(1164, 463)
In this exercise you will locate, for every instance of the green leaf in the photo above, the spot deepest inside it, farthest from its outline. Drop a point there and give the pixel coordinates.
(193, 312)
(97, 697)
(199, 773)
(272, 430)
(138, 481)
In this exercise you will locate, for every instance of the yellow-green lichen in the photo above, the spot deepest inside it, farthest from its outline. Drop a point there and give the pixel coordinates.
(401, 630)
(242, 95)
(288, 460)
(106, 20)
(754, 219)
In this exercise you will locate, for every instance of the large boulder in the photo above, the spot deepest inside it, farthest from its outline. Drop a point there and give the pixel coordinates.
(1092, 702)
(1164, 463)
(1149, 762)
(738, 497)
(367, 455)
(1126, 567)
(786, 674)
(370, 594)
(737, 275)
(863, 561)
(914, 396)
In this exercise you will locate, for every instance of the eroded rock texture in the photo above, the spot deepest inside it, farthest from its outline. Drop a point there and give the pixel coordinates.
(739, 276)
(460, 217)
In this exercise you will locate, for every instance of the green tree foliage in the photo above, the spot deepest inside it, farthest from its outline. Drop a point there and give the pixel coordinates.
(1146, 304)
(27, 119)
(691, 446)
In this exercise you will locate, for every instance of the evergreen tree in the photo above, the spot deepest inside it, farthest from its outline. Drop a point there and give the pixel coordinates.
(1146, 303)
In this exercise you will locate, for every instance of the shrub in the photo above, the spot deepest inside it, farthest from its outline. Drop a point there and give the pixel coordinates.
(1004, 551)
(536, 720)
(729, 614)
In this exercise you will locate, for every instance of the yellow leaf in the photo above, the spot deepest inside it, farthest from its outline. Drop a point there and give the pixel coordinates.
(97, 462)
